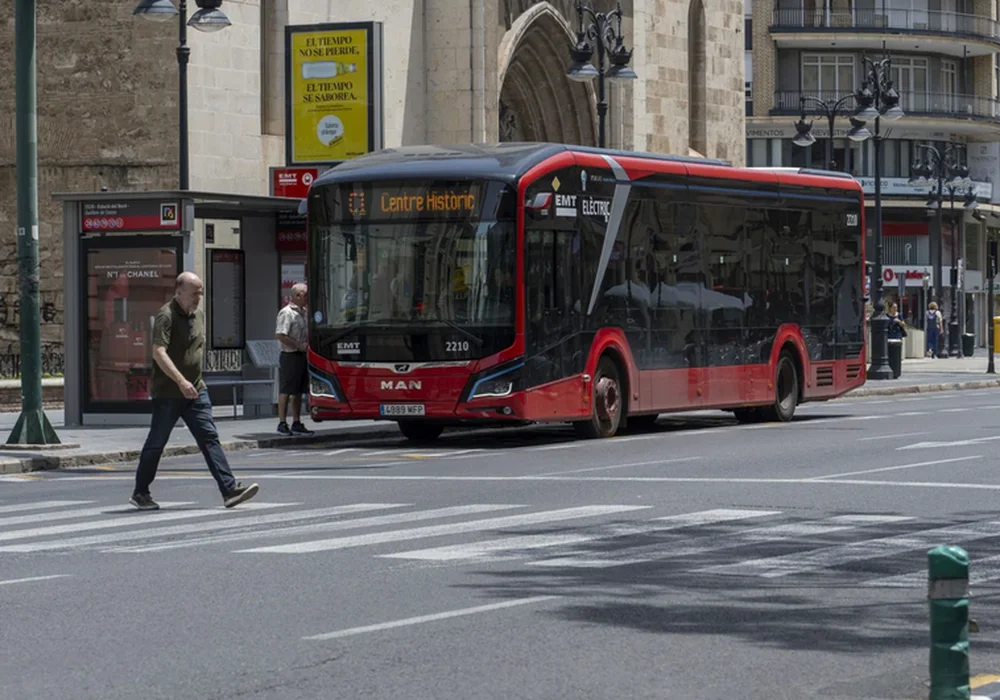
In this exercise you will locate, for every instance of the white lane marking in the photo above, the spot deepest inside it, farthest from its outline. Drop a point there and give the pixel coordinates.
(901, 466)
(980, 571)
(912, 413)
(431, 618)
(31, 579)
(40, 505)
(891, 436)
(622, 466)
(954, 443)
(331, 453)
(512, 546)
(227, 524)
(441, 530)
(465, 453)
(955, 410)
(711, 543)
(356, 524)
(79, 513)
(394, 451)
(150, 518)
(561, 446)
(827, 557)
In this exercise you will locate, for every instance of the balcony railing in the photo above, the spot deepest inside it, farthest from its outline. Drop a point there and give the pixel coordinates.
(943, 105)
(916, 21)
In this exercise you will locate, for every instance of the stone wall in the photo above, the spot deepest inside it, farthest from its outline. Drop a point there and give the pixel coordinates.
(661, 105)
(106, 96)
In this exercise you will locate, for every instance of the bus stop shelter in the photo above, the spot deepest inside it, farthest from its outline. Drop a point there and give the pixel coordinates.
(122, 252)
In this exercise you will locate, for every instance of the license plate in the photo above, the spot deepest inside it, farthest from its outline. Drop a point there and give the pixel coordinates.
(402, 409)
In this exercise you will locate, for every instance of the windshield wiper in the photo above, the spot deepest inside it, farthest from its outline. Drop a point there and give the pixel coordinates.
(329, 340)
(469, 335)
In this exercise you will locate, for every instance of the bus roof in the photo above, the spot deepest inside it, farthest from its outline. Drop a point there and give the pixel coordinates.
(506, 162)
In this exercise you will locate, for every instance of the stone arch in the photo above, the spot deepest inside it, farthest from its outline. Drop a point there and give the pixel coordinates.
(537, 101)
(697, 78)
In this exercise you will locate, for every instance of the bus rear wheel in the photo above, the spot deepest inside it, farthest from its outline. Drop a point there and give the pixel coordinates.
(607, 403)
(420, 431)
(786, 391)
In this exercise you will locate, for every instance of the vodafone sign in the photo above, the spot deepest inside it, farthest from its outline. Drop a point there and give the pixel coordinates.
(914, 276)
(292, 182)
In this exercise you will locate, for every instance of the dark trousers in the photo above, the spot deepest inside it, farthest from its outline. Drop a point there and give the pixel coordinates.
(197, 415)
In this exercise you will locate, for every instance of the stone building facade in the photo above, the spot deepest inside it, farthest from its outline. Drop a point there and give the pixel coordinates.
(454, 71)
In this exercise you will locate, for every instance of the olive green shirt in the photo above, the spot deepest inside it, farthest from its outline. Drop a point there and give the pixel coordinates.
(183, 336)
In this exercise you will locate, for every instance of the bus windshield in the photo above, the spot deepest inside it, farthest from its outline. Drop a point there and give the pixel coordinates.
(395, 287)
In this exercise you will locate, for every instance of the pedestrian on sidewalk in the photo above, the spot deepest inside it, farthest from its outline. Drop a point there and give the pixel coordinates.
(178, 391)
(897, 326)
(935, 326)
(292, 331)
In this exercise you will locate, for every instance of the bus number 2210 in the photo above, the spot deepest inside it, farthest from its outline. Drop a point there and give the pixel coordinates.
(456, 346)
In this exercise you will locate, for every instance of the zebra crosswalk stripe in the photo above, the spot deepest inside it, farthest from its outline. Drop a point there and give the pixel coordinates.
(712, 543)
(827, 557)
(150, 517)
(173, 530)
(441, 530)
(40, 505)
(358, 523)
(513, 547)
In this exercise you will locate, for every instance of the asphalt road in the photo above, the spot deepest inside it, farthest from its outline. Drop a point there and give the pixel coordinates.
(703, 560)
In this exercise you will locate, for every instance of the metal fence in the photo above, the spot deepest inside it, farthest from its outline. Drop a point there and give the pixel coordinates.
(54, 361)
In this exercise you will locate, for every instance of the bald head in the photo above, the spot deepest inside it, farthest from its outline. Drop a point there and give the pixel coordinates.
(188, 291)
(300, 294)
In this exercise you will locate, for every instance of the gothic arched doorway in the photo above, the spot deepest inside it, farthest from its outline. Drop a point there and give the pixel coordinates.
(537, 101)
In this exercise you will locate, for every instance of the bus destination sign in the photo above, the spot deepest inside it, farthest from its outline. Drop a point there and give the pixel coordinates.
(406, 202)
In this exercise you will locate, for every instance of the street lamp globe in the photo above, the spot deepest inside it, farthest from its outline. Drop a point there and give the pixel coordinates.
(209, 20)
(804, 137)
(581, 70)
(156, 10)
(859, 132)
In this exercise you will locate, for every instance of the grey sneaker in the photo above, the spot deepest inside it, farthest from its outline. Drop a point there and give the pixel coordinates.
(240, 494)
(143, 501)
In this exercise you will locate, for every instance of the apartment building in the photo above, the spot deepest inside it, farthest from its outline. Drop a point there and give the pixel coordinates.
(946, 69)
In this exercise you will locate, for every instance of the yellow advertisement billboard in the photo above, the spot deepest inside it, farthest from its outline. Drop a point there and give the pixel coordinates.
(333, 86)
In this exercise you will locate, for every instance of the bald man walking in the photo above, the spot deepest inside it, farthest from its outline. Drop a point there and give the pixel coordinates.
(178, 391)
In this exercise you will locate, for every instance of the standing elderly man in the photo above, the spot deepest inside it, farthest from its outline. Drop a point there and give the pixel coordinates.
(292, 331)
(178, 391)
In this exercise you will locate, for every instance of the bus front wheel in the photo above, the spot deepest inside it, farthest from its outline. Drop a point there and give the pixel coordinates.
(607, 403)
(420, 431)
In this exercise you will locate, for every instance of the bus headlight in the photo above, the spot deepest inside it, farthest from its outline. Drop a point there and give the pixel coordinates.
(498, 383)
(494, 387)
(320, 386)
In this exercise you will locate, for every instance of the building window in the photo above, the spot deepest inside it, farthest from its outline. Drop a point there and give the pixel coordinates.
(828, 76)
(910, 78)
(949, 84)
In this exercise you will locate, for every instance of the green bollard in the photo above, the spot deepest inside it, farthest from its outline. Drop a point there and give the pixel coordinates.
(948, 592)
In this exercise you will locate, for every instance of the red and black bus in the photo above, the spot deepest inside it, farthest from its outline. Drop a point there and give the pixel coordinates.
(546, 282)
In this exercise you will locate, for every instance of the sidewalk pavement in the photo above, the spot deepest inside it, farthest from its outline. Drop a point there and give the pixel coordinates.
(88, 445)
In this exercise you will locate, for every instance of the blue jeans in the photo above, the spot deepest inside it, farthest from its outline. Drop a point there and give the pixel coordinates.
(197, 415)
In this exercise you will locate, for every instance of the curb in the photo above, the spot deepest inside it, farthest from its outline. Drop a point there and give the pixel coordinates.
(985, 687)
(925, 388)
(47, 462)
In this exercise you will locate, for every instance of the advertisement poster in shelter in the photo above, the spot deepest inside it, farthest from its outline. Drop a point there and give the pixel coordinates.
(333, 84)
(126, 287)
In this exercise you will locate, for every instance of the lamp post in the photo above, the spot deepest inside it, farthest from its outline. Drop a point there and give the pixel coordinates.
(208, 18)
(605, 30)
(804, 137)
(954, 349)
(32, 426)
(877, 99)
(941, 166)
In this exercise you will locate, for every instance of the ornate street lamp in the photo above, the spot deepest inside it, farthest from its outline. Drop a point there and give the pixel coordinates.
(877, 100)
(605, 30)
(804, 137)
(208, 18)
(947, 169)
